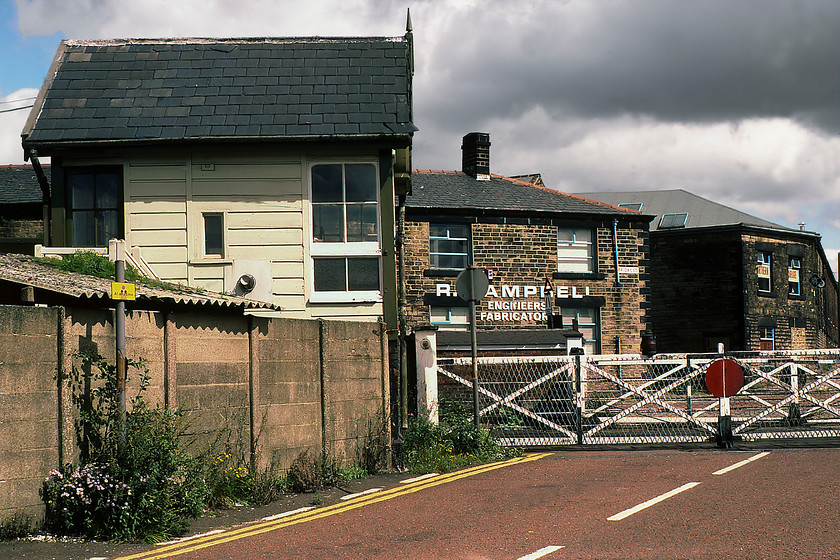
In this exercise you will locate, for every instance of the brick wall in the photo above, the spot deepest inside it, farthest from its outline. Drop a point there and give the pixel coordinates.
(523, 255)
(704, 290)
(696, 292)
(800, 322)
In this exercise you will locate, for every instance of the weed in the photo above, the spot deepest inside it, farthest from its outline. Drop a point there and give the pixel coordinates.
(16, 527)
(134, 481)
(453, 443)
(308, 473)
(317, 500)
(93, 264)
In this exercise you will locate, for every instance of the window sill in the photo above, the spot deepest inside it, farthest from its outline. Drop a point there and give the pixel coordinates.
(441, 273)
(766, 294)
(578, 276)
(346, 297)
(210, 261)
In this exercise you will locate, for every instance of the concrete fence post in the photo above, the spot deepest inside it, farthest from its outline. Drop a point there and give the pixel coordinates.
(425, 349)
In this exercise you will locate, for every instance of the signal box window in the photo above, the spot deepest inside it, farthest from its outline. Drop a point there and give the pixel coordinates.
(94, 206)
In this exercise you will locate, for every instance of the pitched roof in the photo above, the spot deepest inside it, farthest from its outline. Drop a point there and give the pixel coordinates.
(27, 271)
(148, 90)
(19, 185)
(455, 190)
(699, 211)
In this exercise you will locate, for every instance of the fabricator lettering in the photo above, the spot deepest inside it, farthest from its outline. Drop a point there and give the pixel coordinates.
(514, 291)
(506, 303)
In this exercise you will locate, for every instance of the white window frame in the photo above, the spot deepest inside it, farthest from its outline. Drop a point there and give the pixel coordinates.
(449, 322)
(346, 249)
(575, 244)
(203, 248)
(449, 237)
(763, 336)
(760, 260)
(798, 267)
(592, 345)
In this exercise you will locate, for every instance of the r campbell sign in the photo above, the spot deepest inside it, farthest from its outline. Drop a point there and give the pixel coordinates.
(506, 302)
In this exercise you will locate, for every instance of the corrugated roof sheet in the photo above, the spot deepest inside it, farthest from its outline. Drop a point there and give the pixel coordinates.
(457, 190)
(25, 270)
(190, 89)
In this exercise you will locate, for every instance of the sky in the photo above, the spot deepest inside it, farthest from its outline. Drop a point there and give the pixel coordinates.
(737, 101)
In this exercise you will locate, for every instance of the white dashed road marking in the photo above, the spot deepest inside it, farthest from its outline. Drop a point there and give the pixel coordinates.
(540, 553)
(644, 505)
(742, 463)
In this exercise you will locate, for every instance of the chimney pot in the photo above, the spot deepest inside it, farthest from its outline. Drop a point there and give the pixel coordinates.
(475, 155)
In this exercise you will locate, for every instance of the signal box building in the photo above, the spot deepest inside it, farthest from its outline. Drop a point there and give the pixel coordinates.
(718, 275)
(270, 159)
(549, 253)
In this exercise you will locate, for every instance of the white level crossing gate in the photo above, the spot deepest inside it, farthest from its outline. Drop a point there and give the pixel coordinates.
(611, 399)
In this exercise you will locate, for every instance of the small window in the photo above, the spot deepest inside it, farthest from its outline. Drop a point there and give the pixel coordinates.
(449, 246)
(794, 283)
(587, 321)
(676, 220)
(575, 250)
(637, 206)
(346, 274)
(214, 235)
(767, 338)
(764, 269)
(454, 316)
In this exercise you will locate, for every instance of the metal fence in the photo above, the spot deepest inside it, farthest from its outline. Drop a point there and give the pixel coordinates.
(607, 399)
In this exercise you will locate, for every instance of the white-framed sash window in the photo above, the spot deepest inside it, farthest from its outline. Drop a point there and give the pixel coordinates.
(345, 244)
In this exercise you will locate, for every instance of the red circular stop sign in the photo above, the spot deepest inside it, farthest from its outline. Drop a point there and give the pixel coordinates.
(724, 377)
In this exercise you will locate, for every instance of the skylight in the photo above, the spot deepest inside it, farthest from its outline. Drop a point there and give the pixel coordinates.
(676, 220)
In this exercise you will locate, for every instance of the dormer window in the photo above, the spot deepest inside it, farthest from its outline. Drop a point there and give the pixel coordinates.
(676, 220)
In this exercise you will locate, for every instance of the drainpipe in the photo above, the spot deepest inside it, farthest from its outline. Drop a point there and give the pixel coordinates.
(615, 248)
(401, 314)
(46, 200)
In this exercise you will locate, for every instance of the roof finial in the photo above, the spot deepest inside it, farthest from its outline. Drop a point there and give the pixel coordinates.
(408, 28)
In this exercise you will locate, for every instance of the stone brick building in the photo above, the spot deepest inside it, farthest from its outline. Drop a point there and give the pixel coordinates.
(719, 275)
(590, 258)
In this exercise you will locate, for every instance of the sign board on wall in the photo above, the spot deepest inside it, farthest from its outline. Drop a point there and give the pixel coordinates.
(517, 303)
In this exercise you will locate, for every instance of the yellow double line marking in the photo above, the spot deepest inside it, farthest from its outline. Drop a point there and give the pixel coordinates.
(186, 546)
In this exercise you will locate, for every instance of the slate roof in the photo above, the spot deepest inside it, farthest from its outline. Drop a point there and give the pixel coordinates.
(19, 185)
(702, 212)
(455, 190)
(26, 271)
(153, 90)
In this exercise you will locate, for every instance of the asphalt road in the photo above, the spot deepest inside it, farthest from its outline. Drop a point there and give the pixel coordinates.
(640, 504)
(603, 504)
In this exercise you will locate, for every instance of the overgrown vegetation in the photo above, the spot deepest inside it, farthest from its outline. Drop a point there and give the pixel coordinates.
(16, 527)
(93, 264)
(134, 481)
(453, 443)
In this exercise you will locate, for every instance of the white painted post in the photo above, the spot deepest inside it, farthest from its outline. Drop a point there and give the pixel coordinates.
(425, 348)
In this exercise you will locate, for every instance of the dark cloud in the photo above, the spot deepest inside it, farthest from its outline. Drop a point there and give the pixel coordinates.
(673, 61)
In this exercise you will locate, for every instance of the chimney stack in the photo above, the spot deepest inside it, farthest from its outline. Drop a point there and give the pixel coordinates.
(475, 155)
